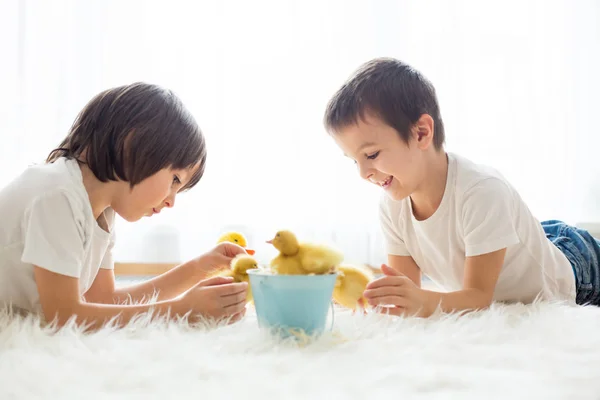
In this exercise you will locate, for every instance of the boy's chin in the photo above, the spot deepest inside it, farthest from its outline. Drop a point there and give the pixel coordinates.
(395, 195)
(130, 217)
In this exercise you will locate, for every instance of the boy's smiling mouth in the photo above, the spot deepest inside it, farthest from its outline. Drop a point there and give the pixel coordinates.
(386, 183)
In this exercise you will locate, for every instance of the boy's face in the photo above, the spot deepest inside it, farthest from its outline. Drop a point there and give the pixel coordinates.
(152, 194)
(382, 157)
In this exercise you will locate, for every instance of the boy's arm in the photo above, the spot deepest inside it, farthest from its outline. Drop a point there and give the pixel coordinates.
(398, 292)
(217, 297)
(167, 285)
(481, 275)
(59, 297)
(488, 223)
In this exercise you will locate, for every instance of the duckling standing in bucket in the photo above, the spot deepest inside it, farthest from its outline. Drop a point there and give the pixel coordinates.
(297, 258)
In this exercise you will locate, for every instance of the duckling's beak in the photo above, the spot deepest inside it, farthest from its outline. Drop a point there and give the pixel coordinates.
(270, 241)
(251, 252)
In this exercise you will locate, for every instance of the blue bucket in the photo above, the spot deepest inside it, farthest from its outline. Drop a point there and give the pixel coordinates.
(292, 303)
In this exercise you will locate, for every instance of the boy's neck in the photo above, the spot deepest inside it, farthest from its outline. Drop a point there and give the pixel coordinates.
(99, 193)
(428, 197)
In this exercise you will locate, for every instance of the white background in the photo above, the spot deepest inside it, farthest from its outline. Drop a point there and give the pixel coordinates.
(517, 82)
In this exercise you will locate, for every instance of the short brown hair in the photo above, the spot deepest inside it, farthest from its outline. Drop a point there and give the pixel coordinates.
(133, 131)
(392, 91)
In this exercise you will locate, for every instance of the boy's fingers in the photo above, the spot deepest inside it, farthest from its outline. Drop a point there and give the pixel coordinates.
(237, 316)
(387, 281)
(230, 250)
(384, 291)
(234, 298)
(216, 280)
(235, 308)
(233, 289)
(389, 271)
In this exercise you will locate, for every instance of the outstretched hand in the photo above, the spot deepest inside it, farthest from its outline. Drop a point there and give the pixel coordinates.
(218, 258)
(397, 294)
(217, 298)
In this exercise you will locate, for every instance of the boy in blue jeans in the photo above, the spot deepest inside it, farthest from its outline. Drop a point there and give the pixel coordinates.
(460, 223)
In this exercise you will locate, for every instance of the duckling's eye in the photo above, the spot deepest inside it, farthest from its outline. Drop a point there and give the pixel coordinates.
(235, 240)
(277, 235)
(373, 156)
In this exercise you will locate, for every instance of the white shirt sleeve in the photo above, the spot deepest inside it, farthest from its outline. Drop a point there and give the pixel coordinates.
(54, 237)
(393, 242)
(488, 217)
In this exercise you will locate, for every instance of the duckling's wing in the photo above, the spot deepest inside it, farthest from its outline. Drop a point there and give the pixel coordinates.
(275, 263)
(291, 266)
(319, 259)
(284, 265)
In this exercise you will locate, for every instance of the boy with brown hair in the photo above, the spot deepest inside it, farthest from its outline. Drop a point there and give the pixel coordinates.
(130, 151)
(462, 224)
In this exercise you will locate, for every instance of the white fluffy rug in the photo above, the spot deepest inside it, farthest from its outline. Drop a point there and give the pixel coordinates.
(540, 351)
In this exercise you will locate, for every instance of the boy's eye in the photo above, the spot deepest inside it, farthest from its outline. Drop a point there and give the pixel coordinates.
(176, 180)
(373, 156)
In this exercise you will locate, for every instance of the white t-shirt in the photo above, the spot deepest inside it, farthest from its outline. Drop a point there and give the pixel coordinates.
(47, 221)
(480, 212)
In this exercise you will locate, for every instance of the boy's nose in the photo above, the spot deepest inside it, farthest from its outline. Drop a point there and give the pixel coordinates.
(365, 174)
(170, 202)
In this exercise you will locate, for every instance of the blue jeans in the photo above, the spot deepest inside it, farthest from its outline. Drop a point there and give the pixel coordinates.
(583, 252)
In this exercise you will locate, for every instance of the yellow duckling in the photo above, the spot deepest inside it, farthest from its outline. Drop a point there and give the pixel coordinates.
(237, 238)
(240, 265)
(350, 285)
(297, 258)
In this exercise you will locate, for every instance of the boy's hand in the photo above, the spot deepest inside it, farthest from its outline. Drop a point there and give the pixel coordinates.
(398, 294)
(218, 258)
(216, 298)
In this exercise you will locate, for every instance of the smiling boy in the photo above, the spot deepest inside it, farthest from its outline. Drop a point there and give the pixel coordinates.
(460, 223)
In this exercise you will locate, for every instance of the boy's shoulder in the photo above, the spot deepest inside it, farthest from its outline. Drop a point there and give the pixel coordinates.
(473, 179)
(45, 182)
(469, 174)
(58, 171)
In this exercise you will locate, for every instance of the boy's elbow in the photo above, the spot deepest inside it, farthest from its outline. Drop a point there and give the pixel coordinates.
(484, 298)
(60, 314)
(100, 298)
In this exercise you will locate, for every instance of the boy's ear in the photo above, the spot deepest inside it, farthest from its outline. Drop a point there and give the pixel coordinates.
(424, 131)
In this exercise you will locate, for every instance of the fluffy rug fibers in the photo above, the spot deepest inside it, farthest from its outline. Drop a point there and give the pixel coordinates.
(538, 351)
